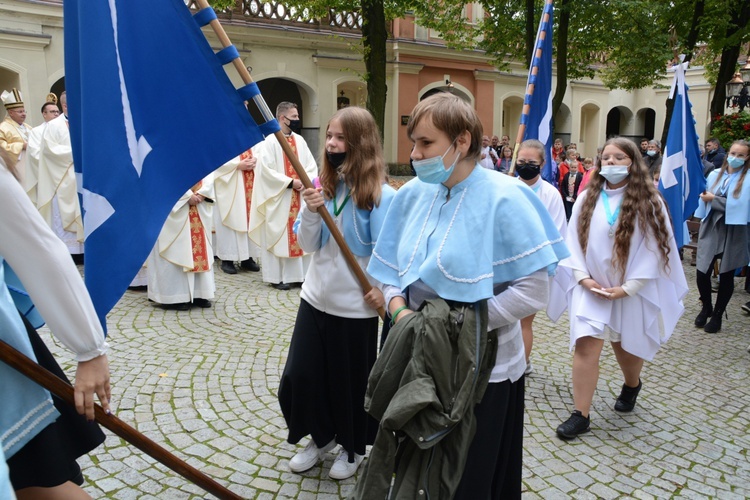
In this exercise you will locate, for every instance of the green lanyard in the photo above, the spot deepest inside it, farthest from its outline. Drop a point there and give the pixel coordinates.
(336, 209)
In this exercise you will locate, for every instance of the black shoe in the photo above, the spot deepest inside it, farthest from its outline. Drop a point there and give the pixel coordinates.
(250, 265)
(626, 400)
(228, 267)
(714, 324)
(575, 425)
(702, 318)
(281, 286)
(138, 288)
(202, 303)
(77, 258)
(180, 306)
(746, 307)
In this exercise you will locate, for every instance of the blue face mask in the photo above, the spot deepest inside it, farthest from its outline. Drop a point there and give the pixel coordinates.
(432, 170)
(735, 162)
(615, 173)
(651, 153)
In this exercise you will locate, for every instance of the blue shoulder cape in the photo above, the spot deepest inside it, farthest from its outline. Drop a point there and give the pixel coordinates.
(487, 229)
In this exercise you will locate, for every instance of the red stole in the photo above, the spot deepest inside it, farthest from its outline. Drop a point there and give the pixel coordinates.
(198, 236)
(294, 248)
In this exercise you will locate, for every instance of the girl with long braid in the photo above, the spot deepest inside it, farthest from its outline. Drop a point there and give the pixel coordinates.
(628, 283)
(725, 214)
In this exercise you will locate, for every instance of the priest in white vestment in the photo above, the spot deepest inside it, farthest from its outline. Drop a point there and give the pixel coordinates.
(180, 272)
(276, 202)
(233, 186)
(57, 194)
(50, 111)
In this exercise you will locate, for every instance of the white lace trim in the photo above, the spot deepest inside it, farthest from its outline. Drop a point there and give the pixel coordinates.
(9, 443)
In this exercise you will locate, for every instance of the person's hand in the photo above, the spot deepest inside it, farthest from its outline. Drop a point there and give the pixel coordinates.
(707, 196)
(615, 293)
(92, 377)
(247, 164)
(297, 185)
(589, 283)
(195, 199)
(25, 144)
(374, 298)
(313, 198)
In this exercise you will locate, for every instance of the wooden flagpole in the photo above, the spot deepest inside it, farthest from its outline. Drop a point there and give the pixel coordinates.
(529, 90)
(335, 233)
(64, 391)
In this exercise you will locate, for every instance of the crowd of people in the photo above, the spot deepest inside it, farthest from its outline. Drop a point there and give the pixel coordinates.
(442, 403)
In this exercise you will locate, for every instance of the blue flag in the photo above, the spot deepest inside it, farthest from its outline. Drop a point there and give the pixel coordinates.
(681, 180)
(151, 112)
(538, 120)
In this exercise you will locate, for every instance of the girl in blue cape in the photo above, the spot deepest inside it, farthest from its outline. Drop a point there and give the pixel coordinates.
(334, 343)
(42, 437)
(466, 234)
(725, 213)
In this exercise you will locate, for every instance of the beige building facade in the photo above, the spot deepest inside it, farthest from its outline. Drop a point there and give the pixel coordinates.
(319, 66)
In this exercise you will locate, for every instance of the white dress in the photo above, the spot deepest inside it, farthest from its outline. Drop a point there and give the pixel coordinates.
(645, 320)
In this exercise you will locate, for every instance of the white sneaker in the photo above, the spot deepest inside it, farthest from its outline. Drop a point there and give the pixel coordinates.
(342, 468)
(311, 455)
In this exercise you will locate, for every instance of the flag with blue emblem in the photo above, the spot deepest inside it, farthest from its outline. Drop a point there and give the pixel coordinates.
(537, 112)
(151, 112)
(681, 179)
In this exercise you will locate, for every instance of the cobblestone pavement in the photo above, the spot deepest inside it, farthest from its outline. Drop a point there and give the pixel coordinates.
(203, 383)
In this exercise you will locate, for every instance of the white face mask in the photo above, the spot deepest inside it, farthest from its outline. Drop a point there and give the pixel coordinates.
(615, 173)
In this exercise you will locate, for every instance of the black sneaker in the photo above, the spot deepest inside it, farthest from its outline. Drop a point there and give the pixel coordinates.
(714, 324)
(228, 267)
(202, 303)
(250, 265)
(702, 318)
(575, 425)
(626, 400)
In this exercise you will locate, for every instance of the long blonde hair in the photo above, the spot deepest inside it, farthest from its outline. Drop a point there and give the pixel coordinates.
(641, 202)
(364, 166)
(745, 167)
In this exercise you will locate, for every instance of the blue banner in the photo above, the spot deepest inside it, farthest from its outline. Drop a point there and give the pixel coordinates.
(151, 112)
(681, 179)
(539, 118)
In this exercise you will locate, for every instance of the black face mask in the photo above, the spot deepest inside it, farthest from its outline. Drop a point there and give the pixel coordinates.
(527, 172)
(336, 159)
(295, 125)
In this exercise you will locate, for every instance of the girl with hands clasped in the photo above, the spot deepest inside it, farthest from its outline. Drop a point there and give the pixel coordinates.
(334, 343)
(724, 213)
(627, 280)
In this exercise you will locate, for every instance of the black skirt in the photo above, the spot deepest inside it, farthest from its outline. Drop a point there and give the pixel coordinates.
(49, 459)
(322, 389)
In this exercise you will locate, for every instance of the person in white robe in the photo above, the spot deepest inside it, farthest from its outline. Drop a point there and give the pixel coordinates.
(180, 266)
(276, 202)
(233, 186)
(531, 159)
(626, 279)
(50, 111)
(57, 195)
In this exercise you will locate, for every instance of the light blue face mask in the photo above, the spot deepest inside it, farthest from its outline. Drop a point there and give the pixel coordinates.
(735, 162)
(615, 173)
(432, 170)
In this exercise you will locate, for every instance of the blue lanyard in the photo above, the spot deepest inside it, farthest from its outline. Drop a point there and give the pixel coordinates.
(611, 218)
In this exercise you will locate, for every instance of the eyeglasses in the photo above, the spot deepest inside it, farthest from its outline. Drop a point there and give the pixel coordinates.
(617, 157)
(531, 164)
